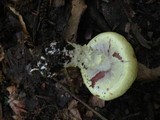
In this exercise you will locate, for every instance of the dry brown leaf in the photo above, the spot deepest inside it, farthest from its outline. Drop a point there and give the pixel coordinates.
(17, 106)
(78, 7)
(63, 114)
(96, 102)
(16, 117)
(72, 107)
(75, 112)
(58, 3)
(12, 90)
(89, 114)
(72, 104)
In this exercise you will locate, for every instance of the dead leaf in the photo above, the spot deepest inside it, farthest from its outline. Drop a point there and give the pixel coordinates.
(96, 102)
(17, 106)
(72, 107)
(89, 114)
(58, 3)
(75, 112)
(12, 90)
(72, 104)
(78, 8)
(16, 117)
(64, 114)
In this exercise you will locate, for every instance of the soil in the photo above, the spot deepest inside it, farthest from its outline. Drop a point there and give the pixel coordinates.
(35, 85)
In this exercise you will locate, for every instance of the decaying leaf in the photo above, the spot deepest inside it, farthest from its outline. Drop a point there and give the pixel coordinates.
(16, 105)
(75, 112)
(89, 114)
(96, 102)
(72, 104)
(78, 7)
(58, 3)
(16, 117)
(72, 107)
(12, 90)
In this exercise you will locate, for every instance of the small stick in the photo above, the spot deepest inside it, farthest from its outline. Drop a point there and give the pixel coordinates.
(83, 103)
(23, 25)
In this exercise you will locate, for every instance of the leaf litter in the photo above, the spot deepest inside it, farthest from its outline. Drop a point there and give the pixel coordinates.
(33, 51)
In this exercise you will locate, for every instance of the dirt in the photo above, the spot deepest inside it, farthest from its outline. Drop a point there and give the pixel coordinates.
(35, 85)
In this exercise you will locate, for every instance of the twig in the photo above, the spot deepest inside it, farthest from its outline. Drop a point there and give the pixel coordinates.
(43, 97)
(23, 25)
(130, 116)
(74, 96)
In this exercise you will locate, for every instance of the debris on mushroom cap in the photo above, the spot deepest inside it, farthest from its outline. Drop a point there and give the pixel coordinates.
(108, 65)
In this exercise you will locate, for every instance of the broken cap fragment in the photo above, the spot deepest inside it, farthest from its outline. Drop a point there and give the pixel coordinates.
(108, 65)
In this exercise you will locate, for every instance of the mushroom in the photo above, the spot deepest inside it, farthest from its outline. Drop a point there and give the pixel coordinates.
(108, 65)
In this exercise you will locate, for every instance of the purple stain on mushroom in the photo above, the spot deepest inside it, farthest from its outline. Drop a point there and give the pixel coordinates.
(116, 55)
(97, 77)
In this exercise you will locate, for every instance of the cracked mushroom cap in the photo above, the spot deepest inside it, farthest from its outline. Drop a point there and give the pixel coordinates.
(110, 65)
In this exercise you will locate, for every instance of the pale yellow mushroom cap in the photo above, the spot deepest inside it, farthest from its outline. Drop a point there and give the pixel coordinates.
(108, 65)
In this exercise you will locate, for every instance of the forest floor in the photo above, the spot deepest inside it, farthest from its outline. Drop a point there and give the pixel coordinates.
(34, 84)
